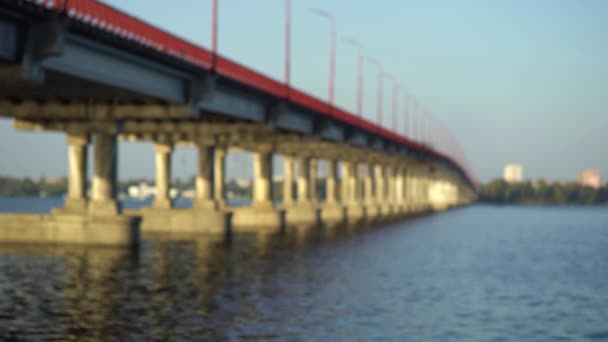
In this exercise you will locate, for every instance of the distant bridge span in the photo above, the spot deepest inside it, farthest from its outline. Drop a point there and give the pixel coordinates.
(89, 70)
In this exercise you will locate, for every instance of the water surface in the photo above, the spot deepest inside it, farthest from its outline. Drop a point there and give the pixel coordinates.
(480, 273)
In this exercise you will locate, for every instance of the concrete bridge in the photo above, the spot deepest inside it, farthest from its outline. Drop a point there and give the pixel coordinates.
(99, 75)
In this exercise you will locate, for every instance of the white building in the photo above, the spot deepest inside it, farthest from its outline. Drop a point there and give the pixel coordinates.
(513, 173)
(141, 191)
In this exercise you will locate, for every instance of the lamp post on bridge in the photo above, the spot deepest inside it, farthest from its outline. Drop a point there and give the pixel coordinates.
(287, 43)
(332, 55)
(214, 28)
(391, 78)
(360, 61)
(406, 107)
(414, 118)
(214, 38)
(379, 90)
(421, 123)
(396, 87)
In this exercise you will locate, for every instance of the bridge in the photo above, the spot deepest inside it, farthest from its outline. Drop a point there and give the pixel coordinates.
(100, 75)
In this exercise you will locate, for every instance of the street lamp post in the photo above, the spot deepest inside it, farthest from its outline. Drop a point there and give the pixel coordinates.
(360, 60)
(332, 55)
(396, 87)
(391, 78)
(379, 90)
(414, 119)
(424, 122)
(214, 28)
(406, 105)
(287, 42)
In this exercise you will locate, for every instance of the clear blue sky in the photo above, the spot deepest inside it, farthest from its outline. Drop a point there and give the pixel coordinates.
(515, 81)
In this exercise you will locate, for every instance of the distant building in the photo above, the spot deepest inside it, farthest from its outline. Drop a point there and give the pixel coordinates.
(589, 177)
(513, 173)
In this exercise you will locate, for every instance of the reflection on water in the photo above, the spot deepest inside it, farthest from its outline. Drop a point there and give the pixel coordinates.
(480, 273)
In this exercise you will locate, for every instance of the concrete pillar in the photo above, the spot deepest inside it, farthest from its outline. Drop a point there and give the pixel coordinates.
(390, 176)
(369, 186)
(344, 196)
(399, 186)
(349, 182)
(205, 178)
(262, 179)
(409, 187)
(424, 188)
(289, 168)
(312, 181)
(418, 188)
(303, 180)
(103, 192)
(219, 164)
(359, 182)
(379, 177)
(163, 152)
(77, 177)
(355, 211)
(332, 211)
(330, 182)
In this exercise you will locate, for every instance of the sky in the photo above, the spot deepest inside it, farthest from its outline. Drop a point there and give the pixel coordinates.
(513, 80)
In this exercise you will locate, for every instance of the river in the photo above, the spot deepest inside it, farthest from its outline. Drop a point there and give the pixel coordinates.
(481, 273)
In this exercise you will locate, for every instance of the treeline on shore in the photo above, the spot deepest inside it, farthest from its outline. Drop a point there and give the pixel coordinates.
(497, 191)
(20, 187)
(541, 192)
(13, 187)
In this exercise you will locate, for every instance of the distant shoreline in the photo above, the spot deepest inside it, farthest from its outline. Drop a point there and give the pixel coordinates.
(542, 193)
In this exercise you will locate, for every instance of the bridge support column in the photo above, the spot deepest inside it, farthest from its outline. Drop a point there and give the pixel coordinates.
(312, 181)
(409, 190)
(303, 181)
(163, 151)
(262, 180)
(76, 200)
(288, 169)
(205, 215)
(96, 222)
(425, 190)
(330, 183)
(391, 193)
(399, 191)
(355, 210)
(219, 164)
(380, 189)
(305, 211)
(416, 193)
(371, 204)
(103, 192)
(419, 191)
(205, 178)
(261, 213)
(332, 211)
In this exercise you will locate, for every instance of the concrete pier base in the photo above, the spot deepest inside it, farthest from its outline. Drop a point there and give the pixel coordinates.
(331, 231)
(182, 220)
(355, 214)
(70, 229)
(302, 215)
(250, 218)
(333, 214)
(399, 210)
(385, 211)
(373, 213)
